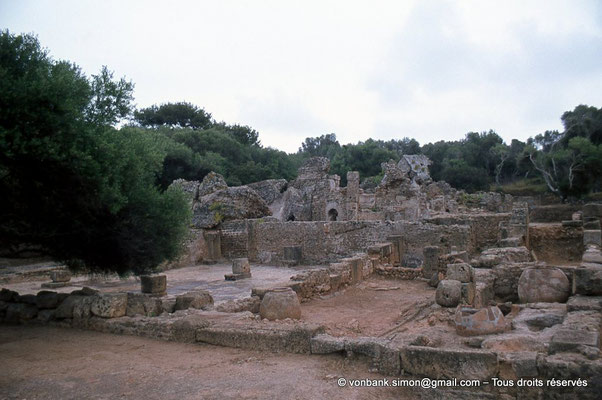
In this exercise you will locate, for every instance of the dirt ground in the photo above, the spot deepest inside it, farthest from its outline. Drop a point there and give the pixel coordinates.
(376, 307)
(53, 363)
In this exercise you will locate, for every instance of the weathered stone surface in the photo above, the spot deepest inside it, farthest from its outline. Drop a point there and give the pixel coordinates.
(280, 303)
(60, 275)
(326, 344)
(199, 299)
(431, 259)
(274, 338)
(532, 319)
(212, 182)
(45, 316)
(241, 266)
(589, 320)
(592, 254)
(65, 309)
(270, 190)
(143, 304)
(153, 284)
(449, 293)
(514, 341)
(233, 203)
(522, 365)
(292, 254)
(82, 310)
(592, 237)
(579, 341)
(85, 291)
(109, 305)
(444, 363)
(20, 312)
(476, 322)
(584, 303)
(469, 291)
(168, 305)
(459, 272)
(47, 299)
(494, 256)
(548, 285)
(250, 304)
(587, 281)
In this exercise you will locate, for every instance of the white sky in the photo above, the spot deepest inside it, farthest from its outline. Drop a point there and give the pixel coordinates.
(431, 70)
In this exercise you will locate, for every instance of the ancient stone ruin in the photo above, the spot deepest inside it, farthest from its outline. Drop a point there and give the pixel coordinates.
(415, 277)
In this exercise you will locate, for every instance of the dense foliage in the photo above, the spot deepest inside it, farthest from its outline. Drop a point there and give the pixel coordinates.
(70, 182)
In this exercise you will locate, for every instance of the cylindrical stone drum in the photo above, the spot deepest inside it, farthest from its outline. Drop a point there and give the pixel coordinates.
(280, 303)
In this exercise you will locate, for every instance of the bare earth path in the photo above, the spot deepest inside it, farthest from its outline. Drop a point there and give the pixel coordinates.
(53, 363)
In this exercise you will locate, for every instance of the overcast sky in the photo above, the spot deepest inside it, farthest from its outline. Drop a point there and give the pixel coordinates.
(430, 70)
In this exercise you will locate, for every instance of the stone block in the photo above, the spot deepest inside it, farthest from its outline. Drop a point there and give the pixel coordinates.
(591, 225)
(17, 312)
(65, 309)
(85, 291)
(587, 281)
(326, 344)
(477, 322)
(241, 266)
(592, 254)
(546, 284)
(592, 210)
(439, 363)
(153, 284)
(584, 303)
(198, 299)
(459, 272)
(54, 285)
(431, 260)
(143, 304)
(572, 223)
(449, 293)
(46, 299)
(168, 305)
(280, 303)
(592, 237)
(109, 305)
(60, 275)
(572, 340)
(45, 316)
(468, 292)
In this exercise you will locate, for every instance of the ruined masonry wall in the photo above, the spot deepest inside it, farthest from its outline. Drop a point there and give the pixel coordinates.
(323, 242)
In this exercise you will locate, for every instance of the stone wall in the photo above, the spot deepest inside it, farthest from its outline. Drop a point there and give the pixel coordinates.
(323, 242)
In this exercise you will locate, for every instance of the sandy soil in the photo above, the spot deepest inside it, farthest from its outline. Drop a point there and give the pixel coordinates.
(372, 308)
(52, 363)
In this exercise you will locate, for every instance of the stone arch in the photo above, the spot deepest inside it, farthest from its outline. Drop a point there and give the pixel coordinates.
(333, 214)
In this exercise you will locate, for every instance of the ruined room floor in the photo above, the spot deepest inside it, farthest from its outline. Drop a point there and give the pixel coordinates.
(181, 280)
(53, 363)
(377, 307)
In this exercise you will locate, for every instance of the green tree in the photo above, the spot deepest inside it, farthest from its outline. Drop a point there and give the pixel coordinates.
(174, 115)
(69, 181)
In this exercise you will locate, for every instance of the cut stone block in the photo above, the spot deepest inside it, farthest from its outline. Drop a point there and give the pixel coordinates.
(198, 299)
(438, 363)
(241, 266)
(584, 303)
(109, 305)
(154, 284)
(572, 340)
(60, 276)
(587, 281)
(459, 272)
(592, 237)
(326, 344)
(431, 261)
(47, 300)
(280, 303)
